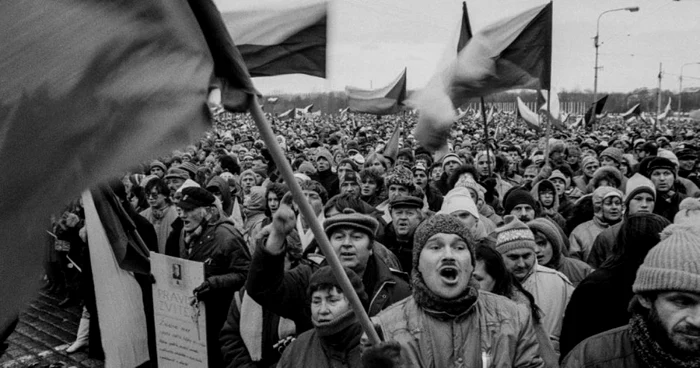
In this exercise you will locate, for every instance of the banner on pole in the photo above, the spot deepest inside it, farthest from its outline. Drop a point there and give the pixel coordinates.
(181, 331)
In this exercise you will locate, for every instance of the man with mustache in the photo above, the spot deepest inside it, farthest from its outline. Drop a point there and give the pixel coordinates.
(448, 322)
(551, 289)
(664, 330)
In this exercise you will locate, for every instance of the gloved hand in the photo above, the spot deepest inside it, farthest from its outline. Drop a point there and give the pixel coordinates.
(202, 290)
(384, 355)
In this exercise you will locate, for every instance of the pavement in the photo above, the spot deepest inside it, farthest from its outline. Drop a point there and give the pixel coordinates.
(42, 335)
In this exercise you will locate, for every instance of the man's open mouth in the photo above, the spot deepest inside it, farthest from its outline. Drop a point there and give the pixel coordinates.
(449, 274)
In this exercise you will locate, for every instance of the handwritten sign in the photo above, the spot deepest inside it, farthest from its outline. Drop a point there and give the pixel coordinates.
(181, 337)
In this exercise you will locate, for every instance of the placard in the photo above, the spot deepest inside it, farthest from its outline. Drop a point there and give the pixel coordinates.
(181, 331)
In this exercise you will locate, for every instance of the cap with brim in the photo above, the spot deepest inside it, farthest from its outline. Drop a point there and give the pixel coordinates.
(404, 201)
(351, 219)
(193, 197)
(177, 173)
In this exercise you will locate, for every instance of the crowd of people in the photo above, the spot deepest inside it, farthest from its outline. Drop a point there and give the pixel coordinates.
(582, 250)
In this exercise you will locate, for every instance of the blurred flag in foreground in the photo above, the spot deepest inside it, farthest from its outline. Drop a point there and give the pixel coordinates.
(531, 119)
(383, 101)
(89, 89)
(512, 53)
(283, 38)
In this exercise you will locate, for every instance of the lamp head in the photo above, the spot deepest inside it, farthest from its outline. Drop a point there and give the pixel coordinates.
(633, 9)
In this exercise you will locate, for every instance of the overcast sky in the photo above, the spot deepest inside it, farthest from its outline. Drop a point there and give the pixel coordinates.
(371, 41)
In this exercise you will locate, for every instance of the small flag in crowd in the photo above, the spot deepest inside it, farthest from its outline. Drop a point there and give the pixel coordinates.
(511, 53)
(89, 89)
(667, 110)
(598, 107)
(632, 113)
(282, 39)
(383, 101)
(531, 119)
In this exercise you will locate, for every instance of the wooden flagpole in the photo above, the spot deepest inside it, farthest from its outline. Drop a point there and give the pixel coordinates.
(548, 128)
(308, 213)
(486, 134)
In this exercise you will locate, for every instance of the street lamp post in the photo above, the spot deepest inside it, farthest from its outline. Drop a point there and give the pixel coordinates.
(680, 86)
(631, 9)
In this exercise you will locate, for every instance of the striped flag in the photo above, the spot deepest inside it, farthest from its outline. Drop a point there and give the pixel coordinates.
(281, 38)
(512, 53)
(383, 101)
(632, 113)
(89, 89)
(531, 119)
(667, 110)
(598, 106)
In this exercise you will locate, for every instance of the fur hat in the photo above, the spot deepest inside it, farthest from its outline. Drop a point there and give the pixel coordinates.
(514, 235)
(556, 145)
(609, 173)
(517, 197)
(400, 175)
(688, 211)
(439, 224)
(674, 263)
(325, 154)
(350, 218)
(459, 199)
(664, 153)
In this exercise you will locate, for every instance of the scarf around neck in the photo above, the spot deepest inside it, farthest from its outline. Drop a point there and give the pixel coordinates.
(439, 307)
(650, 352)
(342, 333)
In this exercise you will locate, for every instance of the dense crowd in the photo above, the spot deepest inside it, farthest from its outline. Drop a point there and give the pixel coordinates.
(517, 250)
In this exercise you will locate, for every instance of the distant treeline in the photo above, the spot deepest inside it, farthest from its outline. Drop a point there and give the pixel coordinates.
(332, 102)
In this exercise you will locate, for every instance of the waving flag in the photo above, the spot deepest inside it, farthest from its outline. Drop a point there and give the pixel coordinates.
(280, 39)
(667, 110)
(632, 113)
(383, 101)
(89, 89)
(511, 53)
(598, 106)
(532, 120)
(286, 115)
(552, 109)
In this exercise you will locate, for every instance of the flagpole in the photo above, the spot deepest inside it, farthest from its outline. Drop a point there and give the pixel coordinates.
(486, 133)
(548, 128)
(308, 213)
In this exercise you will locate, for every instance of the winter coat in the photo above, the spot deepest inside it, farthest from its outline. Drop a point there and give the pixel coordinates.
(225, 190)
(581, 183)
(284, 293)
(668, 207)
(494, 328)
(226, 260)
(403, 249)
(330, 182)
(599, 303)
(690, 189)
(603, 245)
(611, 349)
(442, 185)
(582, 237)
(551, 290)
(434, 198)
(162, 225)
(310, 350)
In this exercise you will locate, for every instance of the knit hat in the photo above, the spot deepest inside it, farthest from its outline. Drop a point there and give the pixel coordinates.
(450, 157)
(405, 201)
(189, 167)
(400, 175)
(324, 153)
(514, 235)
(459, 199)
(587, 160)
(256, 200)
(465, 181)
(687, 154)
(556, 174)
(550, 231)
(358, 159)
(159, 164)
(419, 167)
(350, 218)
(688, 211)
(177, 173)
(517, 197)
(324, 278)
(350, 176)
(307, 167)
(613, 153)
(260, 170)
(601, 193)
(664, 153)
(661, 163)
(189, 183)
(440, 223)
(193, 197)
(638, 183)
(556, 145)
(674, 263)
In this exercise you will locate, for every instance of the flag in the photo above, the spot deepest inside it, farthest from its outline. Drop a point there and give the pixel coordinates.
(90, 89)
(552, 109)
(667, 110)
(391, 149)
(465, 33)
(287, 114)
(634, 112)
(276, 40)
(598, 106)
(532, 120)
(383, 101)
(578, 124)
(461, 114)
(511, 53)
(343, 111)
(272, 99)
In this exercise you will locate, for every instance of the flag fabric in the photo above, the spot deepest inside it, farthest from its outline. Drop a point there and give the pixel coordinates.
(383, 101)
(632, 113)
(531, 119)
(598, 106)
(465, 33)
(511, 53)
(276, 40)
(578, 124)
(90, 89)
(552, 109)
(272, 99)
(461, 113)
(391, 149)
(667, 111)
(287, 114)
(302, 113)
